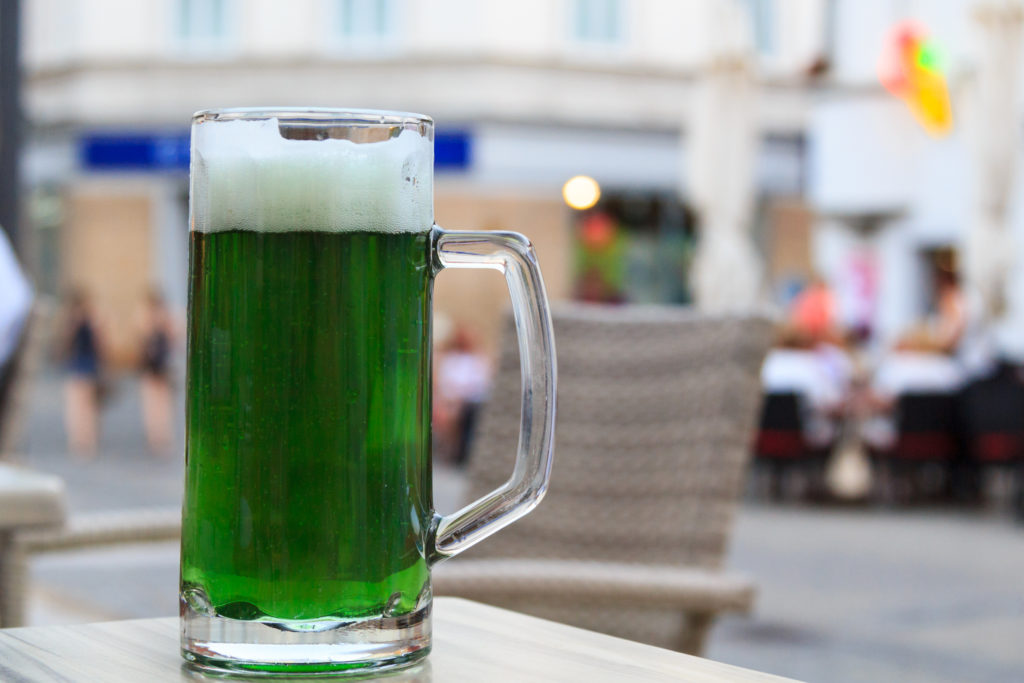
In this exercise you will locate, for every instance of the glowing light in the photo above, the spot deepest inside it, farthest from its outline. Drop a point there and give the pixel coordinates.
(911, 69)
(581, 192)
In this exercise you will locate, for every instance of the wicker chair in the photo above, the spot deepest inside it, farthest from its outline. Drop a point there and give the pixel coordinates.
(656, 410)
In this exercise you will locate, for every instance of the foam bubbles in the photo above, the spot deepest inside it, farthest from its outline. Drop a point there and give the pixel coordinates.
(246, 176)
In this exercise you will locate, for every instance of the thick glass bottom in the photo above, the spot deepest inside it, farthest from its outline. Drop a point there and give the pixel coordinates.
(219, 644)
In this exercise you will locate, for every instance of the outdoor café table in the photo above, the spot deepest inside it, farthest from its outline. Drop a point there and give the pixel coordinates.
(472, 643)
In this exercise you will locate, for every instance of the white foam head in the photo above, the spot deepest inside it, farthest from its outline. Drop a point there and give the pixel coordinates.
(247, 176)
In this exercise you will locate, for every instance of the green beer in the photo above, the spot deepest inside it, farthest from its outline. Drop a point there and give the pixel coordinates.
(308, 484)
(308, 529)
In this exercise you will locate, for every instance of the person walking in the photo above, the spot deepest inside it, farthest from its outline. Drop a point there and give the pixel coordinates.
(81, 348)
(157, 334)
(464, 379)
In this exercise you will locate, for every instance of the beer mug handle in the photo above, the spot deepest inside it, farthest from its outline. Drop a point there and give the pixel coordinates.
(513, 255)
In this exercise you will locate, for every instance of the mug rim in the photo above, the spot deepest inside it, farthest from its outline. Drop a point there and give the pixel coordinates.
(330, 115)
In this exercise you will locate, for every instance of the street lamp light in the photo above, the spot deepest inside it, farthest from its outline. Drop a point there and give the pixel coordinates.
(581, 192)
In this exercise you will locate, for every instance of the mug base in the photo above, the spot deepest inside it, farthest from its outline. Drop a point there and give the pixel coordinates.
(220, 645)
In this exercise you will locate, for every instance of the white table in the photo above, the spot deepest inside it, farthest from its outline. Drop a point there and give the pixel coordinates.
(473, 643)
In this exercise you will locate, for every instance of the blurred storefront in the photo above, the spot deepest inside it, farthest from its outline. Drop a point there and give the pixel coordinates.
(849, 185)
(525, 96)
(634, 248)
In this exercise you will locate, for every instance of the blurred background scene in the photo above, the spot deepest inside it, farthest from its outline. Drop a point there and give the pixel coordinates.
(850, 167)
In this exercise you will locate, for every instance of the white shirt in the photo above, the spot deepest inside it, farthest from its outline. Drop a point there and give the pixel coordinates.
(15, 299)
(978, 348)
(836, 363)
(464, 376)
(906, 372)
(801, 372)
(806, 374)
(919, 372)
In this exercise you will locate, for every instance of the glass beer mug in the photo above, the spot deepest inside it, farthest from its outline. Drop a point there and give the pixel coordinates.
(308, 528)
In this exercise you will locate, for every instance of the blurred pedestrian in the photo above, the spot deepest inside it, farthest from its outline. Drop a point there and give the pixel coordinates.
(464, 380)
(157, 334)
(813, 311)
(950, 318)
(15, 302)
(918, 364)
(81, 348)
(794, 366)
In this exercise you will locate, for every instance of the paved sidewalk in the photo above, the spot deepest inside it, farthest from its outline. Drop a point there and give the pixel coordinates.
(860, 595)
(845, 595)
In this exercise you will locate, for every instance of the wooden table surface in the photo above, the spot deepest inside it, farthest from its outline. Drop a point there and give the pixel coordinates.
(472, 643)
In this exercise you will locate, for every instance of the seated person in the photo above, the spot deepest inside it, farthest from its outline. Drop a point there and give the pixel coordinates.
(917, 364)
(794, 366)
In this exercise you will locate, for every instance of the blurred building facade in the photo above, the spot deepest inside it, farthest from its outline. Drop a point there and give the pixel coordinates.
(893, 204)
(525, 96)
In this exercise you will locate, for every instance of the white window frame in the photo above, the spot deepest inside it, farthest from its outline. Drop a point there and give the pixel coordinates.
(204, 46)
(619, 24)
(367, 44)
(764, 23)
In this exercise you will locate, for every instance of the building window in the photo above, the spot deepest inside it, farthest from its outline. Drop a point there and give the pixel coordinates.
(597, 21)
(634, 247)
(831, 32)
(762, 21)
(203, 22)
(365, 21)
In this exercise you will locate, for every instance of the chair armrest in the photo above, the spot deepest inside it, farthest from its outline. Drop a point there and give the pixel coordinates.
(143, 525)
(686, 588)
(30, 499)
(82, 531)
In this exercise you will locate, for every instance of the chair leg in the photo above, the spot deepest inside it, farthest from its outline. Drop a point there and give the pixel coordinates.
(817, 487)
(12, 582)
(884, 485)
(696, 626)
(775, 482)
(765, 476)
(908, 490)
(1018, 491)
(756, 482)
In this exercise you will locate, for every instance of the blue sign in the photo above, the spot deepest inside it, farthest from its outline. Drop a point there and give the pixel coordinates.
(155, 152)
(134, 151)
(452, 150)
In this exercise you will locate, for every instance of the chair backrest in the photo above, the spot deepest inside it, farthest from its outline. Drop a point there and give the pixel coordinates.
(927, 426)
(656, 409)
(781, 411)
(995, 404)
(780, 433)
(927, 412)
(992, 416)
